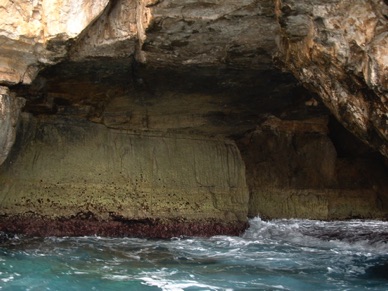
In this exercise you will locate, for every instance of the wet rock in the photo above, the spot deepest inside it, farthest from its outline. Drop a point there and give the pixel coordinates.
(32, 226)
(70, 168)
(129, 92)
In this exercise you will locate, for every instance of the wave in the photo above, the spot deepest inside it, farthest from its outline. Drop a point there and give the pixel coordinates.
(363, 235)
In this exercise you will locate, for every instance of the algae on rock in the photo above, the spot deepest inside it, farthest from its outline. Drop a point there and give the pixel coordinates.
(67, 169)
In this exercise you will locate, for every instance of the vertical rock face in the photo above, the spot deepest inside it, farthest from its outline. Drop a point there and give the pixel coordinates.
(339, 49)
(293, 171)
(135, 105)
(9, 117)
(74, 168)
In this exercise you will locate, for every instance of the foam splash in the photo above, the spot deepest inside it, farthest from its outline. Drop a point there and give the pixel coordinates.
(362, 235)
(162, 279)
(271, 255)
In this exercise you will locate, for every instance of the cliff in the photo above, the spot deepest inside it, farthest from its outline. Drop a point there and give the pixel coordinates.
(160, 118)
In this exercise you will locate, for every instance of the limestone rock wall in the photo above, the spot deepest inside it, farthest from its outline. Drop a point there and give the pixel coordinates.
(174, 81)
(118, 32)
(336, 48)
(35, 33)
(339, 49)
(209, 33)
(293, 172)
(69, 168)
(9, 116)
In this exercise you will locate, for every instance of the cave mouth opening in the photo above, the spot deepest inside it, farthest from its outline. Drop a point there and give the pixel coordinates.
(210, 101)
(213, 143)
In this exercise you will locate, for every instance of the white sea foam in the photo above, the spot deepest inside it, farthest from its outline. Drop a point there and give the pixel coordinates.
(345, 235)
(271, 255)
(118, 277)
(160, 279)
(8, 279)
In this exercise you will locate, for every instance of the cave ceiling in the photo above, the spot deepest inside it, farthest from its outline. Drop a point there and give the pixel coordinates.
(207, 67)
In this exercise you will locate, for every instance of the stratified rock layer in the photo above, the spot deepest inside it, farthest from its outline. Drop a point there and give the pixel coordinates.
(70, 169)
(133, 107)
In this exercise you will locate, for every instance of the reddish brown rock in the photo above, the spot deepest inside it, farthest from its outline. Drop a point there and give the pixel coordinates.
(148, 228)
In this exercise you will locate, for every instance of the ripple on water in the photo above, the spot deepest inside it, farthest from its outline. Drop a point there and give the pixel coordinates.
(274, 255)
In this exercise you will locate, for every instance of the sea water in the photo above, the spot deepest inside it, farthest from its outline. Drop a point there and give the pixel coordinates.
(274, 255)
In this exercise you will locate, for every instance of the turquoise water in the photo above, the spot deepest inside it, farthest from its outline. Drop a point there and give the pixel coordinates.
(276, 255)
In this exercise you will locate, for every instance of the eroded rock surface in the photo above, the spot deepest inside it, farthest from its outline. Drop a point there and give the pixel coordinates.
(69, 168)
(339, 49)
(294, 170)
(124, 90)
(35, 33)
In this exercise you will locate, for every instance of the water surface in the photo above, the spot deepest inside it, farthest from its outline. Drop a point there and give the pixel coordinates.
(276, 255)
